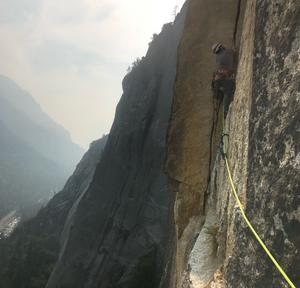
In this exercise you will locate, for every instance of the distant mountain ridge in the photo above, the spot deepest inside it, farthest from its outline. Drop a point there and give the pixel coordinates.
(36, 154)
(23, 115)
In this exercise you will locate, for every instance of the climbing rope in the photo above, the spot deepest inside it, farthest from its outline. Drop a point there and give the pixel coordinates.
(241, 208)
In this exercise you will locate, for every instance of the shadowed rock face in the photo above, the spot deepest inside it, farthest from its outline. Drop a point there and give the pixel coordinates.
(121, 225)
(27, 257)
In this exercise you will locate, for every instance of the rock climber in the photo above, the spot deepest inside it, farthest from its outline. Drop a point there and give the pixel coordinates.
(223, 82)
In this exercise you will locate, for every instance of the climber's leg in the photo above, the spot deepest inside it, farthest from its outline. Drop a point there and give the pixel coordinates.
(229, 89)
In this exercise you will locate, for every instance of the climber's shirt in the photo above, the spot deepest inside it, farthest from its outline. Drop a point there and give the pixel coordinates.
(225, 60)
(225, 65)
(223, 82)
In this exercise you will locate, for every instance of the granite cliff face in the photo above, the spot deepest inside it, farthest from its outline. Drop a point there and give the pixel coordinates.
(214, 246)
(272, 186)
(192, 141)
(121, 225)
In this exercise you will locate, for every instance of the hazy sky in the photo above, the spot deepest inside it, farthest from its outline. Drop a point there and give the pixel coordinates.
(71, 55)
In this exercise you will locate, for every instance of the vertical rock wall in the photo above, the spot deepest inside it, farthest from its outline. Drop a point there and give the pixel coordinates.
(120, 228)
(263, 127)
(213, 248)
(272, 192)
(190, 144)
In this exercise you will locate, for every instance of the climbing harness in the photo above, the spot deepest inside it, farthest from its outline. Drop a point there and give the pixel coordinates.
(222, 74)
(241, 208)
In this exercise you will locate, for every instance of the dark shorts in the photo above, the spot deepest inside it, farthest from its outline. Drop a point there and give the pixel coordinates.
(223, 92)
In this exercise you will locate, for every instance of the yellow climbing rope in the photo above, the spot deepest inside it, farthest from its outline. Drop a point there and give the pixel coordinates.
(261, 242)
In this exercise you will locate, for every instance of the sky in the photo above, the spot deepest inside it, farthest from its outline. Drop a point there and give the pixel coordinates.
(72, 55)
